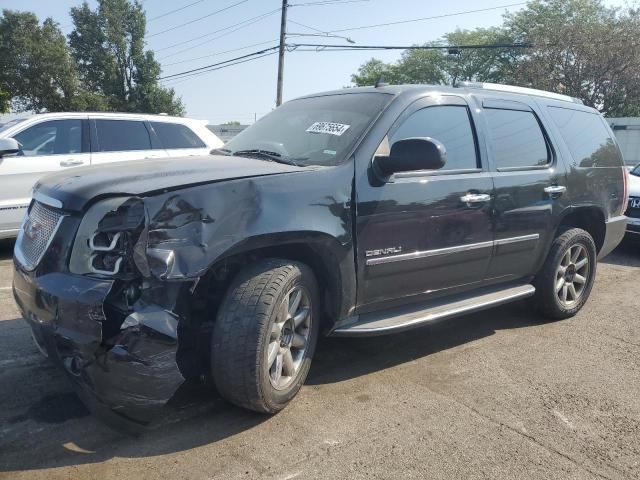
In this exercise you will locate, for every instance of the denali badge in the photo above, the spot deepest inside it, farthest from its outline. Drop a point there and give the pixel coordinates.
(383, 251)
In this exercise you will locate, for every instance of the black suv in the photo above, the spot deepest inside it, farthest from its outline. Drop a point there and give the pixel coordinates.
(363, 211)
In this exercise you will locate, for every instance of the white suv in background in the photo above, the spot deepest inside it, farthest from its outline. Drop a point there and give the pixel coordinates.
(55, 141)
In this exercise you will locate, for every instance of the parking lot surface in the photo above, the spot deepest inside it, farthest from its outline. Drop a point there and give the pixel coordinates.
(495, 395)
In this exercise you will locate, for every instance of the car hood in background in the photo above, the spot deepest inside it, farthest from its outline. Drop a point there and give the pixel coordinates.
(77, 187)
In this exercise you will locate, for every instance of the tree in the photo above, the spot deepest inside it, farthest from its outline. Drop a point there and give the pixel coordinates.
(580, 48)
(36, 70)
(108, 47)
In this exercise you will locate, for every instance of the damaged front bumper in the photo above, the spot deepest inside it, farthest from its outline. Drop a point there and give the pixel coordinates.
(128, 367)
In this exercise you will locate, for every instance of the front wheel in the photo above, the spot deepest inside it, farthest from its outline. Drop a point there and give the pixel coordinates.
(565, 281)
(265, 335)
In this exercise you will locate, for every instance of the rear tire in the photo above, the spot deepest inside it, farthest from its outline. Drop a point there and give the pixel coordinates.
(265, 335)
(565, 281)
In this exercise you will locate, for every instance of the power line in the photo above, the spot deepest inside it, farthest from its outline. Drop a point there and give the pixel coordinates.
(240, 25)
(326, 2)
(206, 67)
(322, 46)
(399, 22)
(307, 26)
(187, 60)
(186, 77)
(175, 10)
(198, 19)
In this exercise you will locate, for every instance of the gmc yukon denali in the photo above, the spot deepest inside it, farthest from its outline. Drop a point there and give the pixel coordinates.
(363, 211)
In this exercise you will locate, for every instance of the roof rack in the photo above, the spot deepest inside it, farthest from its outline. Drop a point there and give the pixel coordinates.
(522, 90)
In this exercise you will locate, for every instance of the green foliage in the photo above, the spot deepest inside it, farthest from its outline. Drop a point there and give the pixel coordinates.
(232, 122)
(582, 49)
(36, 70)
(579, 47)
(108, 47)
(104, 66)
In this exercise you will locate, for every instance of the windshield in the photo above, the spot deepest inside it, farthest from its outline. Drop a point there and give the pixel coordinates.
(311, 131)
(636, 171)
(11, 123)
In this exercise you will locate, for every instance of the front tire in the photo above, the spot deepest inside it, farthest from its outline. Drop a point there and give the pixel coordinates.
(565, 281)
(265, 335)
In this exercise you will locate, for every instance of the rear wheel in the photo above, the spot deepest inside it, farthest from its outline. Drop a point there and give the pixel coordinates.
(265, 335)
(565, 281)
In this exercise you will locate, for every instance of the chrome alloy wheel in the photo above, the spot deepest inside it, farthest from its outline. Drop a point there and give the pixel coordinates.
(572, 275)
(289, 337)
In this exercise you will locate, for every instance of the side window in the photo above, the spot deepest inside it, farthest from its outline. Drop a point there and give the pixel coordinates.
(587, 138)
(175, 135)
(516, 139)
(54, 137)
(122, 136)
(449, 124)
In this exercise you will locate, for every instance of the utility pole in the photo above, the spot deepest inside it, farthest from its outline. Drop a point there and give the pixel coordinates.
(283, 34)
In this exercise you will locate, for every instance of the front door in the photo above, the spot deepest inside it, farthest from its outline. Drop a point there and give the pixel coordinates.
(425, 233)
(47, 146)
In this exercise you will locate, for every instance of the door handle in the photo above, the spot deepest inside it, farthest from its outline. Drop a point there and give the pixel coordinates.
(473, 199)
(555, 191)
(71, 163)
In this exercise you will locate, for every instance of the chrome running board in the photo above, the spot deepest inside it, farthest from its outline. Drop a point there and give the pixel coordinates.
(411, 316)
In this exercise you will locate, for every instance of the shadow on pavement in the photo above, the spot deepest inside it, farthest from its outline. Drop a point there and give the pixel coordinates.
(627, 254)
(6, 249)
(198, 419)
(70, 436)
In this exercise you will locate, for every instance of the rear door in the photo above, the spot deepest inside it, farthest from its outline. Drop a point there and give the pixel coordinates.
(426, 233)
(530, 185)
(46, 146)
(178, 139)
(117, 140)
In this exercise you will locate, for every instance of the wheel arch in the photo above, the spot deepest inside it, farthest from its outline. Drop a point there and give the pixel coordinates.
(330, 260)
(589, 218)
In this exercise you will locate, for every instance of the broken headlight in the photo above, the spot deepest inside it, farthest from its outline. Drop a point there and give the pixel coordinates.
(106, 239)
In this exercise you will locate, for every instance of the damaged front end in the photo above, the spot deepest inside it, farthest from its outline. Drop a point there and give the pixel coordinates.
(84, 285)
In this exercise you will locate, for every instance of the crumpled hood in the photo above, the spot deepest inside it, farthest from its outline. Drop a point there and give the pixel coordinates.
(77, 187)
(634, 186)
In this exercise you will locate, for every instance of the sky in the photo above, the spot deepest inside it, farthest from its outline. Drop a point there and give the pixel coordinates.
(246, 91)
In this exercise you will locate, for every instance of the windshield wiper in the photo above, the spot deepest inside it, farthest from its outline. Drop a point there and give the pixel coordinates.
(269, 155)
(223, 151)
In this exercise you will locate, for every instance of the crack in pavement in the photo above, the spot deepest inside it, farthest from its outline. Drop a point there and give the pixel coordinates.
(529, 437)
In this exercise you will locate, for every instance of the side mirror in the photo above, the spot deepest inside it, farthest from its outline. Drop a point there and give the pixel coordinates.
(410, 154)
(8, 146)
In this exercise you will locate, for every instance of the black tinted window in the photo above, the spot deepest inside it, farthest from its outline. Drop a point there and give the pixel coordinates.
(174, 135)
(587, 138)
(51, 138)
(447, 124)
(516, 139)
(122, 135)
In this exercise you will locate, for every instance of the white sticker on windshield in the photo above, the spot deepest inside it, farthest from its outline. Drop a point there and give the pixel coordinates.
(328, 127)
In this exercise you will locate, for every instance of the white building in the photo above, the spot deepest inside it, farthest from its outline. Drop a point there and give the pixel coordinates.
(627, 131)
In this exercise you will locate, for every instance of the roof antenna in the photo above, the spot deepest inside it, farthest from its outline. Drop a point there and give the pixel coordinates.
(380, 82)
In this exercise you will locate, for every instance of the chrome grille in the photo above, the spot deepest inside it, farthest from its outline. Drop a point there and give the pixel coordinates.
(36, 233)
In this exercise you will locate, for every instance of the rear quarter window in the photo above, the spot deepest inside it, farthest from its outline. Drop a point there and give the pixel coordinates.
(587, 137)
(175, 135)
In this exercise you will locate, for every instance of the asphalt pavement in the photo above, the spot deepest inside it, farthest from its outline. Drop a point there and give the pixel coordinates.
(494, 395)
